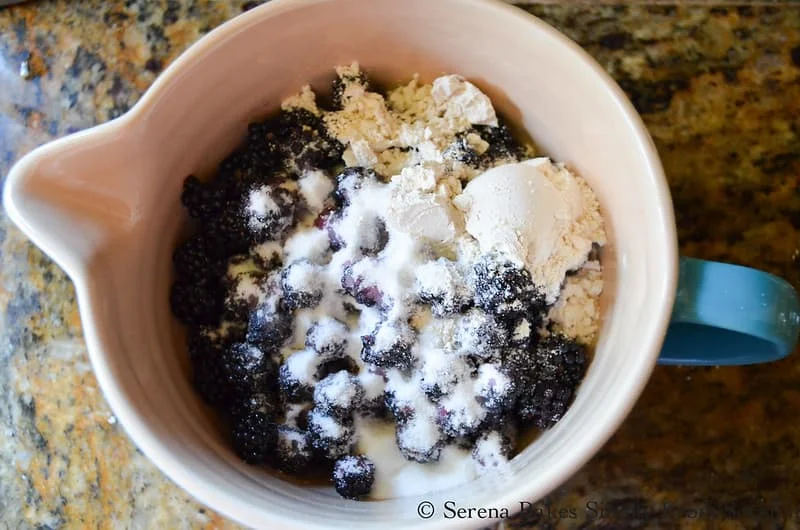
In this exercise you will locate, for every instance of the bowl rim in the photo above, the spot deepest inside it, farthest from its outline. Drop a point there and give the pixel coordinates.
(136, 426)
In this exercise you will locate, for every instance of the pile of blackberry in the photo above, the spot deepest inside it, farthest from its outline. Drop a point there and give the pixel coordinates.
(238, 301)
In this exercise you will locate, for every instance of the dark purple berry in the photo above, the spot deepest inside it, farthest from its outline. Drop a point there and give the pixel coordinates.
(305, 143)
(269, 326)
(202, 200)
(390, 345)
(551, 378)
(229, 232)
(247, 369)
(302, 284)
(373, 381)
(293, 451)
(338, 395)
(353, 476)
(208, 378)
(333, 366)
(460, 417)
(264, 403)
(440, 284)
(402, 410)
(268, 212)
(440, 378)
(245, 290)
(254, 437)
(419, 439)
(328, 337)
(196, 302)
(492, 450)
(296, 376)
(522, 330)
(460, 150)
(350, 181)
(494, 390)
(358, 284)
(331, 436)
(480, 335)
(295, 415)
(340, 84)
(197, 259)
(502, 144)
(503, 288)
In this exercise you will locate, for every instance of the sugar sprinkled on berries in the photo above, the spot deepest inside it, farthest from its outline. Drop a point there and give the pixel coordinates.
(337, 308)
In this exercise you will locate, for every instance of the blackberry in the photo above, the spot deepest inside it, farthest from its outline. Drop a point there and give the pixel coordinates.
(440, 284)
(332, 437)
(373, 381)
(461, 151)
(264, 403)
(332, 366)
(503, 288)
(350, 181)
(247, 369)
(196, 259)
(296, 376)
(208, 379)
(302, 285)
(245, 290)
(559, 356)
(305, 143)
(329, 221)
(369, 233)
(353, 476)
(295, 415)
(558, 368)
(460, 415)
(494, 390)
(390, 345)
(522, 331)
(196, 302)
(202, 200)
(268, 255)
(357, 283)
(261, 157)
(328, 337)
(440, 374)
(269, 212)
(480, 335)
(502, 144)
(401, 409)
(372, 236)
(293, 451)
(419, 439)
(492, 450)
(519, 364)
(341, 83)
(338, 395)
(269, 326)
(229, 231)
(544, 403)
(254, 437)
(244, 168)
(211, 340)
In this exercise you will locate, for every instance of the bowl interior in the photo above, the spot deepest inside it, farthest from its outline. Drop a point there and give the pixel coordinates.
(198, 110)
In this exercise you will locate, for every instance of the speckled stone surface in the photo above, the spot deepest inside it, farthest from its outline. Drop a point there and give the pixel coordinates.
(719, 89)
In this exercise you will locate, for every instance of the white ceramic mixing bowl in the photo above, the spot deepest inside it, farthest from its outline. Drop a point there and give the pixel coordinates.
(104, 204)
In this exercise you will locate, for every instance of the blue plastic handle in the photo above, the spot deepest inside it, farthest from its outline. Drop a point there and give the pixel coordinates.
(730, 315)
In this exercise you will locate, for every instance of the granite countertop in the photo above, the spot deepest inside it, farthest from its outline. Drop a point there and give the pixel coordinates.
(719, 89)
